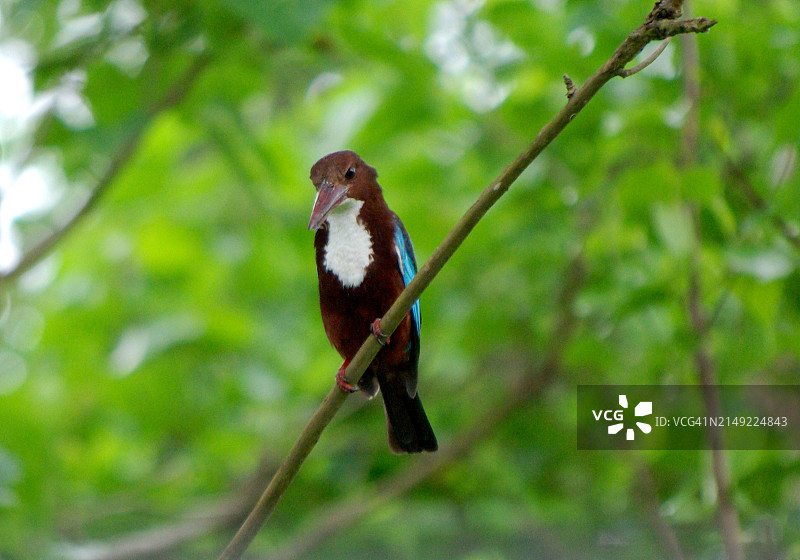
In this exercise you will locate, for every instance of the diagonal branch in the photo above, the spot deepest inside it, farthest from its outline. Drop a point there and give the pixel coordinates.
(528, 388)
(738, 176)
(228, 512)
(653, 29)
(174, 96)
(158, 541)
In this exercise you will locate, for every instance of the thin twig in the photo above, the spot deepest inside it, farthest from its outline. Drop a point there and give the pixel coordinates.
(118, 161)
(647, 61)
(635, 42)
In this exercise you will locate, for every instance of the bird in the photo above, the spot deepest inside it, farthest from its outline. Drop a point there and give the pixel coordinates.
(364, 259)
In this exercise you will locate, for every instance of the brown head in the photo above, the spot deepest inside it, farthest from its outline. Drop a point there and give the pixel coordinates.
(337, 177)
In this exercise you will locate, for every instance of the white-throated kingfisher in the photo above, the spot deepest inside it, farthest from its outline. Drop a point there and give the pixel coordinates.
(364, 260)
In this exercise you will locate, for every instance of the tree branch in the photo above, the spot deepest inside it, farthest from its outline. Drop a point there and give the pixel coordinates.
(151, 543)
(155, 542)
(727, 515)
(529, 387)
(649, 497)
(653, 28)
(117, 163)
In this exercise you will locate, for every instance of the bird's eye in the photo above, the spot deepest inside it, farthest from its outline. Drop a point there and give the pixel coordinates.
(350, 173)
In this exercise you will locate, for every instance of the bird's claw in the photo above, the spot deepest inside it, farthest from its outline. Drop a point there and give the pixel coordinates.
(342, 382)
(383, 338)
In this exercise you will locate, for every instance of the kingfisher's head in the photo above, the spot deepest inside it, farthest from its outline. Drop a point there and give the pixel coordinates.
(338, 177)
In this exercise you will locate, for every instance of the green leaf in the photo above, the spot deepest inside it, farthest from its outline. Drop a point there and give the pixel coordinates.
(765, 265)
(673, 225)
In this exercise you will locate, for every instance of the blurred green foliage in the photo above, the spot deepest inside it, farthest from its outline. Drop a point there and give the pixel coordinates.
(173, 339)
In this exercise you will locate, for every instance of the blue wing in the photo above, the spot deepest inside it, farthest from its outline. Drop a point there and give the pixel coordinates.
(407, 263)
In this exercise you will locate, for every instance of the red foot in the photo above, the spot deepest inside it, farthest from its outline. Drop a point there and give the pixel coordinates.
(383, 339)
(341, 380)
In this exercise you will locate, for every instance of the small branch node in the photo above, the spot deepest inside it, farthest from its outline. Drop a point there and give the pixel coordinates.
(665, 9)
(570, 86)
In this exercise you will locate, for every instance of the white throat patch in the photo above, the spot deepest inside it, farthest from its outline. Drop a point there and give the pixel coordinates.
(348, 251)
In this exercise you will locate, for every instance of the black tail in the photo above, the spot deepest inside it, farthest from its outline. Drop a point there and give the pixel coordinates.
(407, 424)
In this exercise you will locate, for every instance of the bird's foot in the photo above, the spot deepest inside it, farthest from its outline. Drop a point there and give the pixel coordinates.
(341, 380)
(383, 339)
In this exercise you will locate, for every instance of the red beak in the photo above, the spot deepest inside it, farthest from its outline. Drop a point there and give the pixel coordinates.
(329, 196)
